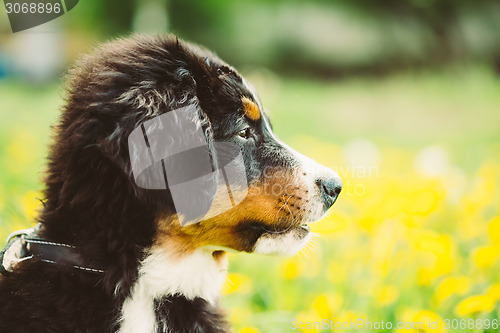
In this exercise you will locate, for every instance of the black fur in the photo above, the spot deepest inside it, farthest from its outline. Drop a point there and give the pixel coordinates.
(92, 201)
(178, 314)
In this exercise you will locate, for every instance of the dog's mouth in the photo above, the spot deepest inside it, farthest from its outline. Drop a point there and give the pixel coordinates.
(303, 231)
(287, 239)
(306, 227)
(299, 230)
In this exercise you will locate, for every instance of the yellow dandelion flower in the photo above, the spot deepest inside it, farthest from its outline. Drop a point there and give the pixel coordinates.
(424, 276)
(237, 283)
(368, 222)
(494, 230)
(434, 243)
(320, 305)
(327, 304)
(290, 269)
(350, 316)
(452, 285)
(431, 321)
(437, 256)
(486, 256)
(475, 304)
(31, 204)
(438, 266)
(494, 291)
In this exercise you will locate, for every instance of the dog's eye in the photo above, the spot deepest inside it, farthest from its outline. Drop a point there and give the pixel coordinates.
(245, 133)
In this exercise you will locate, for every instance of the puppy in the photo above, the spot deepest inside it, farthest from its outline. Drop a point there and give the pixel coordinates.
(110, 255)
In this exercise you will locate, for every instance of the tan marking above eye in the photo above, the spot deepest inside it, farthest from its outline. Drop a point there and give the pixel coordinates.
(251, 109)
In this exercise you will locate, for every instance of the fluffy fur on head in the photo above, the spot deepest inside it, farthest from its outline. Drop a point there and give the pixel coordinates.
(159, 276)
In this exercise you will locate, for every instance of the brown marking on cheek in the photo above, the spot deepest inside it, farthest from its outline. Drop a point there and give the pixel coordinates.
(221, 230)
(274, 210)
(251, 109)
(181, 241)
(172, 236)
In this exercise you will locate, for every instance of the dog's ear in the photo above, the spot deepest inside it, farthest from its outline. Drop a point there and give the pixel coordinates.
(210, 73)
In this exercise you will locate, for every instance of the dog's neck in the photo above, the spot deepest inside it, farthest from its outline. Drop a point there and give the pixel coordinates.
(162, 274)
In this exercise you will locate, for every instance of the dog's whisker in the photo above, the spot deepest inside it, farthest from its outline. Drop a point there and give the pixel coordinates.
(288, 207)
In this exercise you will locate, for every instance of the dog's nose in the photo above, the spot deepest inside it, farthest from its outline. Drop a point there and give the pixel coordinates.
(330, 189)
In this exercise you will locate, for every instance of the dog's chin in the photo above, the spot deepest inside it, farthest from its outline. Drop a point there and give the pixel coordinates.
(283, 243)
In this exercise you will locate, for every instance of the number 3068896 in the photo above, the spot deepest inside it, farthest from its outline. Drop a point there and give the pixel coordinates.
(470, 324)
(33, 8)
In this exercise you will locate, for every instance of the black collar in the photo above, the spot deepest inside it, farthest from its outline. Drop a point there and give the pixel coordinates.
(26, 245)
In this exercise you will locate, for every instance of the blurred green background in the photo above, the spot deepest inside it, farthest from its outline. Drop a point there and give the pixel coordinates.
(401, 97)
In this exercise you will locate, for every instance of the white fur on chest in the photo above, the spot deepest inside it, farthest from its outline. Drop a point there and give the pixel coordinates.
(162, 274)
